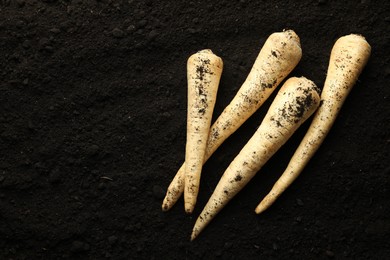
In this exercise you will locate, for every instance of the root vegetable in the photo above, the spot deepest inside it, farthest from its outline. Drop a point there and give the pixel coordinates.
(277, 58)
(295, 102)
(348, 58)
(204, 71)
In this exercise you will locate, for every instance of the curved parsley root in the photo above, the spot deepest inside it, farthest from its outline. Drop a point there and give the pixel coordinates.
(277, 58)
(348, 58)
(295, 102)
(204, 71)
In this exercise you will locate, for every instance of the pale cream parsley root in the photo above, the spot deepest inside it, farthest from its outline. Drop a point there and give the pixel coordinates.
(204, 71)
(277, 58)
(295, 102)
(348, 58)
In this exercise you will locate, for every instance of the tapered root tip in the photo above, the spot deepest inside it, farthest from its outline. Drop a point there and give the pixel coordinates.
(200, 224)
(166, 205)
(265, 203)
(259, 209)
(189, 208)
(194, 234)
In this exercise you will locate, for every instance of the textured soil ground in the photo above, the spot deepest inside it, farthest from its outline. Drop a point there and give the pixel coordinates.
(92, 130)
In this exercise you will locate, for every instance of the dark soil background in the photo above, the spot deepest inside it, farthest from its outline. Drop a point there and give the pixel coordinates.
(92, 130)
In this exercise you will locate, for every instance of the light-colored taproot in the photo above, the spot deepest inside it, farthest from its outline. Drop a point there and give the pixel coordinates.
(204, 70)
